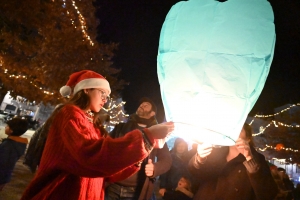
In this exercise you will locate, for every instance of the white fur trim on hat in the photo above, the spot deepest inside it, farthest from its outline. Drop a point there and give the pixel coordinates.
(65, 91)
(92, 83)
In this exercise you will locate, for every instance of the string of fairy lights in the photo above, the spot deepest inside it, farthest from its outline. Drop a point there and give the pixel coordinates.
(116, 114)
(25, 77)
(82, 22)
(276, 124)
(112, 107)
(282, 148)
(283, 110)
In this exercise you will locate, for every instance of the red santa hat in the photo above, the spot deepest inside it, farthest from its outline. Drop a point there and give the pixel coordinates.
(83, 80)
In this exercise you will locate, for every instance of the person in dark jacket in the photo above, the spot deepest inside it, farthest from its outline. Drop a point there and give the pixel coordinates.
(235, 172)
(141, 184)
(288, 184)
(169, 180)
(12, 148)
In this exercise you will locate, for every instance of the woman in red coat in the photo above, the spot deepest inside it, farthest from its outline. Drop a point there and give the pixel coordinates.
(77, 155)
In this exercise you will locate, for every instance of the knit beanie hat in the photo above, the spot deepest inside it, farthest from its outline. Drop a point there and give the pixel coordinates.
(83, 80)
(18, 126)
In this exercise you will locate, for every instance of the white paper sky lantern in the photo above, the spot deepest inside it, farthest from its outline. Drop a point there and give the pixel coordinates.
(212, 64)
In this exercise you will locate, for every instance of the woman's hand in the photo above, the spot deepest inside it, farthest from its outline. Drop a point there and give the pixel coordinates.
(157, 134)
(243, 147)
(203, 151)
(161, 131)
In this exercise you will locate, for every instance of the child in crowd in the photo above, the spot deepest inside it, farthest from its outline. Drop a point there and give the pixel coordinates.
(182, 191)
(12, 148)
(169, 180)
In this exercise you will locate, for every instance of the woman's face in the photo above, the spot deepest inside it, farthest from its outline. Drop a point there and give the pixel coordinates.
(98, 97)
(181, 147)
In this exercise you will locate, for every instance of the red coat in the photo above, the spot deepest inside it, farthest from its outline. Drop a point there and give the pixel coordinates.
(77, 158)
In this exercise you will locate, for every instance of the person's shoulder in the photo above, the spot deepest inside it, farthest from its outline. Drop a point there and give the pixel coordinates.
(71, 110)
(70, 107)
(6, 143)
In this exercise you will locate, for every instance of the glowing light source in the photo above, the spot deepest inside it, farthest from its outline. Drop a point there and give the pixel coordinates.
(217, 60)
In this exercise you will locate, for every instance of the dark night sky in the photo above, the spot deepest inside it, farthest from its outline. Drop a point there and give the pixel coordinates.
(136, 26)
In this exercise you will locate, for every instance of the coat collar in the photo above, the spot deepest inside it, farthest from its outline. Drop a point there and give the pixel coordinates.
(18, 139)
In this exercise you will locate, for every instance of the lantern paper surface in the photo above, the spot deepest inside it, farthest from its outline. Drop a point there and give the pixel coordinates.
(213, 61)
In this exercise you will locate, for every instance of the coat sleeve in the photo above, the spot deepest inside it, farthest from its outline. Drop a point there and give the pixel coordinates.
(164, 161)
(204, 171)
(261, 179)
(163, 180)
(71, 147)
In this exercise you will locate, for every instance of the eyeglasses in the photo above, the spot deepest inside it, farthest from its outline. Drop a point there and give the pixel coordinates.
(103, 95)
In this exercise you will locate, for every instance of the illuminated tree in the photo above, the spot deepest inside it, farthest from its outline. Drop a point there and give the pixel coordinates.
(115, 110)
(43, 41)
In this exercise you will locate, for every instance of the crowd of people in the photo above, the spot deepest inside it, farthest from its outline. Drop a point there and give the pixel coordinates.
(81, 160)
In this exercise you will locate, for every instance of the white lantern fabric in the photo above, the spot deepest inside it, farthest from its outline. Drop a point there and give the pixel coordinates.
(213, 61)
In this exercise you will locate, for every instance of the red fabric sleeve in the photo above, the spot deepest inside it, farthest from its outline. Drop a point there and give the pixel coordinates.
(75, 146)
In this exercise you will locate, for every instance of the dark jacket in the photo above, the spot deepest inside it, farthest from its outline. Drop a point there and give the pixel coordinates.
(11, 149)
(161, 165)
(169, 180)
(176, 195)
(35, 148)
(236, 179)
